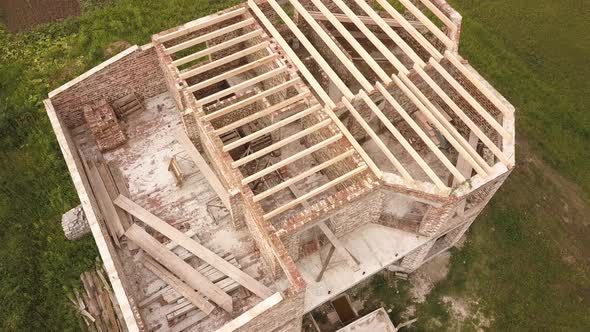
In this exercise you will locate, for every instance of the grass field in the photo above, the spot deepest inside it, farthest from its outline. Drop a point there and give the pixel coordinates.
(526, 262)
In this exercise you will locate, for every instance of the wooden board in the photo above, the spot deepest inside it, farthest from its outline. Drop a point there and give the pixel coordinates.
(191, 245)
(179, 267)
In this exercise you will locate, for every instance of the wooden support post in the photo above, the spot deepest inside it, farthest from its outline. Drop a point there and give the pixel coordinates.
(352, 261)
(325, 263)
(179, 267)
(197, 249)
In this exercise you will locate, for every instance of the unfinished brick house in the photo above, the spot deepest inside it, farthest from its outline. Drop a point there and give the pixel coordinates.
(248, 166)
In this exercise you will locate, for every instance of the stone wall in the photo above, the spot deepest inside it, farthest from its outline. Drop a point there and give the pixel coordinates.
(138, 70)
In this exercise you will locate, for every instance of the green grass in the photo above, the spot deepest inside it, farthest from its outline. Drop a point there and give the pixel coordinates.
(526, 259)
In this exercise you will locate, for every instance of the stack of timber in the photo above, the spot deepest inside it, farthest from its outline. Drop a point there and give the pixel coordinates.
(127, 104)
(97, 304)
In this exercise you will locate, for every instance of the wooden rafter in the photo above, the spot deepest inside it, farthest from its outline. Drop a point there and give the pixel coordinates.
(225, 60)
(446, 129)
(312, 50)
(286, 104)
(390, 32)
(209, 36)
(352, 41)
(332, 46)
(217, 48)
(427, 22)
(281, 143)
(232, 73)
(474, 103)
(441, 16)
(400, 138)
(365, 19)
(427, 140)
(371, 36)
(292, 159)
(303, 175)
(475, 129)
(400, 168)
(477, 83)
(314, 192)
(410, 29)
(291, 54)
(200, 24)
(241, 86)
(272, 127)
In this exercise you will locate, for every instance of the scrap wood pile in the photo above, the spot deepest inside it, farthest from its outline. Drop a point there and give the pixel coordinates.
(97, 304)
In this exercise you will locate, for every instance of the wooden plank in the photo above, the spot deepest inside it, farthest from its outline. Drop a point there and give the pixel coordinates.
(200, 24)
(391, 33)
(303, 175)
(428, 23)
(332, 46)
(446, 129)
(338, 245)
(333, 18)
(402, 140)
(209, 36)
(354, 143)
(188, 322)
(437, 152)
(252, 313)
(191, 245)
(111, 188)
(251, 100)
(320, 16)
(398, 166)
(216, 48)
(441, 16)
(292, 159)
(427, 45)
(474, 128)
(312, 50)
(243, 85)
(183, 289)
(179, 267)
(225, 60)
(272, 127)
(314, 192)
(478, 84)
(232, 73)
(281, 143)
(291, 54)
(374, 40)
(208, 173)
(105, 203)
(325, 263)
(474, 103)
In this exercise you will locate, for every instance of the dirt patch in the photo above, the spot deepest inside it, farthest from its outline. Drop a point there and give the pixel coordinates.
(426, 277)
(463, 311)
(22, 15)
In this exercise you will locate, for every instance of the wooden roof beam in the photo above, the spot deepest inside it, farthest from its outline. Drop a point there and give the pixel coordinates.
(400, 168)
(292, 159)
(281, 143)
(285, 104)
(209, 36)
(428, 23)
(241, 86)
(291, 54)
(371, 36)
(332, 46)
(407, 146)
(312, 50)
(427, 140)
(446, 129)
(272, 127)
(352, 41)
(441, 16)
(314, 192)
(251, 100)
(474, 128)
(217, 48)
(200, 24)
(232, 73)
(391, 33)
(303, 175)
(225, 60)
(365, 19)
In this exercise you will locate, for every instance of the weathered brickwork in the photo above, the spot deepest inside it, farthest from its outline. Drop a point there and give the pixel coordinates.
(137, 72)
(75, 224)
(355, 214)
(104, 125)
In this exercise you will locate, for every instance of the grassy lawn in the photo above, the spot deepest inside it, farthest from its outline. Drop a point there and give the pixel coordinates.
(526, 262)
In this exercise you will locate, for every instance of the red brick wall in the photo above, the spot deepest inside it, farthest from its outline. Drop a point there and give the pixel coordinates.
(137, 72)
